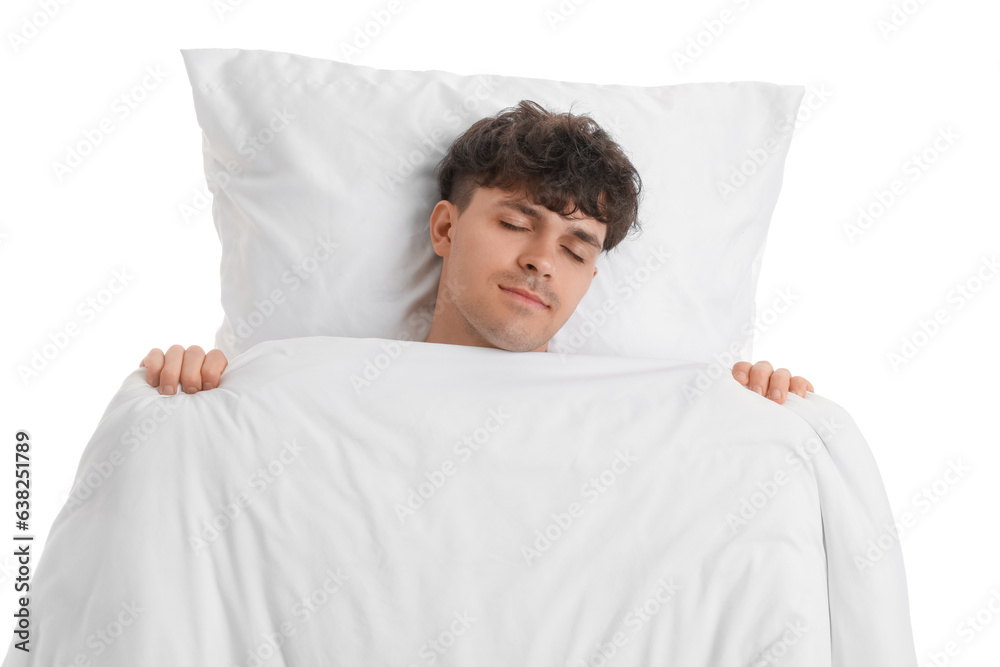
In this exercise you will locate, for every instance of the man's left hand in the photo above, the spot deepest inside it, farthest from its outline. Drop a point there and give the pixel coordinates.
(774, 384)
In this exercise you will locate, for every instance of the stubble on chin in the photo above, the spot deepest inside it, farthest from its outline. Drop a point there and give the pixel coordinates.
(501, 333)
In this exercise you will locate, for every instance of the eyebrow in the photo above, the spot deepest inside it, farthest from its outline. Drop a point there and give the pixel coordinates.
(523, 207)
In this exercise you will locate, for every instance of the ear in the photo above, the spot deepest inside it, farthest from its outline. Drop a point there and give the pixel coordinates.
(443, 219)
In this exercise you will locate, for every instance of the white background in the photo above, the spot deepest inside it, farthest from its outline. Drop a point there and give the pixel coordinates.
(888, 92)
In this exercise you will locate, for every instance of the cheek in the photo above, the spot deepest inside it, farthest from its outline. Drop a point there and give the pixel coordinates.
(582, 282)
(474, 258)
(484, 252)
(578, 288)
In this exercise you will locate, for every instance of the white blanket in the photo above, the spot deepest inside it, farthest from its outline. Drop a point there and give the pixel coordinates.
(362, 502)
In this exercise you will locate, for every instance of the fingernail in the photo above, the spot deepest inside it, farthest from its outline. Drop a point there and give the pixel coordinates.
(207, 386)
(759, 390)
(775, 394)
(168, 390)
(741, 376)
(191, 390)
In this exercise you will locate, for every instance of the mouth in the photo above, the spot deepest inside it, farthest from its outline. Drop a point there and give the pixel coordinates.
(524, 297)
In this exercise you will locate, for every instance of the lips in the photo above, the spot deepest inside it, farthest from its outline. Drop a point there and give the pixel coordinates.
(526, 294)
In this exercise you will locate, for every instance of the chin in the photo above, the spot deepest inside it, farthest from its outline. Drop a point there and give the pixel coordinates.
(520, 344)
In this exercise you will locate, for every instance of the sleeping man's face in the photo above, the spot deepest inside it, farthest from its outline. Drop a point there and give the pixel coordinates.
(484, 259)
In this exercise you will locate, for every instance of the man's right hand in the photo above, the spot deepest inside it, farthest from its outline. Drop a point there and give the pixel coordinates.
(194, 369)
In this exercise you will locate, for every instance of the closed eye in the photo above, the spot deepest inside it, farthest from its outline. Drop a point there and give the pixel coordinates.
(572, 254)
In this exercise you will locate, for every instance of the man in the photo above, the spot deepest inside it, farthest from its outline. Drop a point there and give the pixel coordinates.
(529, 200)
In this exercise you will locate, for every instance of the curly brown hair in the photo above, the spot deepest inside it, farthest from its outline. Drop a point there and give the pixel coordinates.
(556, 159)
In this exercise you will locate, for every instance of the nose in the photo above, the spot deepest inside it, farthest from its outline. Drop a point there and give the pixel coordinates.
(539, 256)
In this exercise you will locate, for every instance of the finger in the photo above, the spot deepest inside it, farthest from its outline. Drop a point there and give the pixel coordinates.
(741, 370)
(760, 374)
(799, 385)
(171, 372)
(777, 389)
(194, 357)
(154, 364)
(211, 370)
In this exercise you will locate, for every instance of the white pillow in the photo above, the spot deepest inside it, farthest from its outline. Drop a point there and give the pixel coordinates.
(323, 180)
